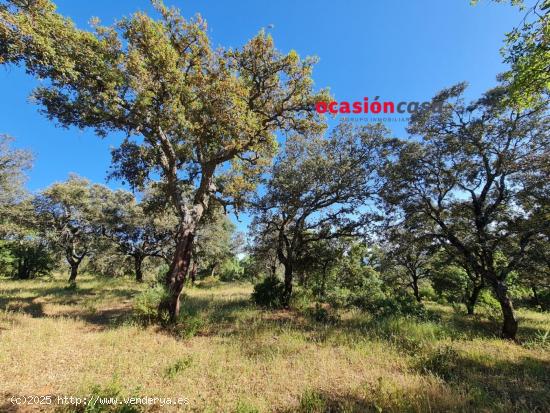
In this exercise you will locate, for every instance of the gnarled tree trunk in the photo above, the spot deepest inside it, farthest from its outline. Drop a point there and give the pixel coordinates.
(509, 324)
(177, 273)
(74, 271)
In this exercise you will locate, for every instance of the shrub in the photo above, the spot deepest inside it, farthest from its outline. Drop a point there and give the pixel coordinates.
(146, 304)
(268, 293)
(376, 301)
(231, 270)
(208, 282)
(179, 366)
(323, 315)
(489, 305)
(399, 303)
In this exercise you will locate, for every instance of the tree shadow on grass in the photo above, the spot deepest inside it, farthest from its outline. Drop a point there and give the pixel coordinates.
(79, 301)
(522, 384)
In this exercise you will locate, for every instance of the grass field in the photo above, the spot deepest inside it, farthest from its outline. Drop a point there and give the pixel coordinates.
(229, 356)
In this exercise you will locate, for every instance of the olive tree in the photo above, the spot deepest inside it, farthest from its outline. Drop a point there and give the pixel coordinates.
(203, 121)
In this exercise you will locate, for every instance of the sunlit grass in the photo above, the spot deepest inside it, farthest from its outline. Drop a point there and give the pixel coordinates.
(227, 355)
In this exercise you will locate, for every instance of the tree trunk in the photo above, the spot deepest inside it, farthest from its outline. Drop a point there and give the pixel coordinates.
(138, 261)
(416, 291)
(471, 301)
(510, 324)
(74, 271)
(535, 295)
(193, 273)
(177, 273)
(287, 292)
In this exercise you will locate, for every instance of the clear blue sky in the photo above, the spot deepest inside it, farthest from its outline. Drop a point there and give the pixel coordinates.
(395, 49)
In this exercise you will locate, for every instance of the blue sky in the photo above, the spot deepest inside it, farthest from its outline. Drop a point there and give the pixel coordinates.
(395, 49)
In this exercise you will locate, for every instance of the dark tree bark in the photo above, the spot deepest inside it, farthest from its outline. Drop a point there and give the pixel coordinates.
(510, 324)
(471, 300)
(177, 274)
(74, 259)
(189, 220)
(535, 295)
(138, 262)
(193, 272)
(74, 271)
(416, 291)
(287, 292)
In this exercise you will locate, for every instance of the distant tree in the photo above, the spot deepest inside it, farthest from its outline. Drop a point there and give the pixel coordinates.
(466, 177)
(24, 253)
(409, 249)
(137, 232)
(261, 250)
(214, 242)
(13, 164)
(66, 215)
(206, 119)
(452, 278)
(316, 188)
(318, 262)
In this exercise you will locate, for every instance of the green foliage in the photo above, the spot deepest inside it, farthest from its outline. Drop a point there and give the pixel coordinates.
(13, 164)
(179, 366)
(323, 315)
(26, 259)
(451, 283)
(541, 340)
(312, 402)
(110, 391)
(146, 303)
(231, 270)
(489, 305)
(269, 293)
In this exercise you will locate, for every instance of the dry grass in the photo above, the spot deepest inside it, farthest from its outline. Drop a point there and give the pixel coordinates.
(229, 356)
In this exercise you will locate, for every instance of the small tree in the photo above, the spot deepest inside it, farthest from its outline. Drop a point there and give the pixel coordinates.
(408, 254)
(136, 231)
(66, 215)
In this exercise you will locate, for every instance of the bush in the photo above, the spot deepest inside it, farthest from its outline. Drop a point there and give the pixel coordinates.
(373, 299)
(231, 270)
(178, 367)
(323, 315)
(489, 305)
(208, 282)
(146, 304)
(269, 293)
(398, 304)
